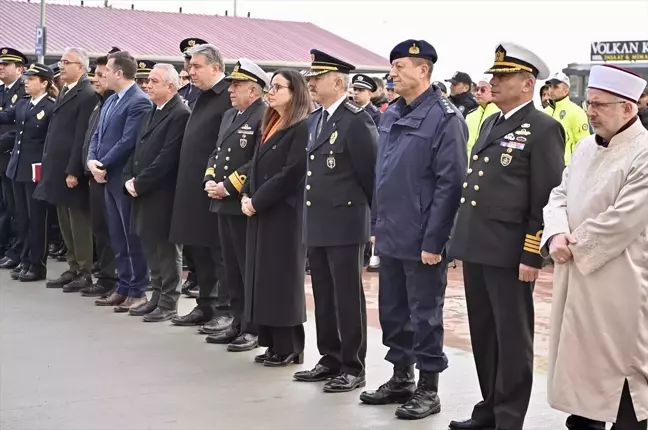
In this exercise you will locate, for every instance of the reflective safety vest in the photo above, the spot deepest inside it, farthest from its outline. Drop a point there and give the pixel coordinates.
(573, 119)
(475, 119)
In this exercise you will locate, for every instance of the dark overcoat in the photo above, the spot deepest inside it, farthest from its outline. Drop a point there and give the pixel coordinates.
(275, 258)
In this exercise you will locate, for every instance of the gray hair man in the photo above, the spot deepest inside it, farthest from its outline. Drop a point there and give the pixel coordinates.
(193, 225)
(150, 177)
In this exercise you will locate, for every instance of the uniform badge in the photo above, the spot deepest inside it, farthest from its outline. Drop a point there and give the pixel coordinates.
(332, 141)
(40, 115)
(562, 114)
(330, 162)
(461, 108)
(506, 159)
(585, 126)
(526, 125)
(521, 139)
(14, 98)
(509, 136)
(243, 143)
(523, 132)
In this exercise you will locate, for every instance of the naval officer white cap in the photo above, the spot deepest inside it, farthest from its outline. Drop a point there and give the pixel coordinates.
(247, 70)
(513, 58)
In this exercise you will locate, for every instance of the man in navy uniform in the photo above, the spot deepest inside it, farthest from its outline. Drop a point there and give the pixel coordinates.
(189, 92)
(420, 169)
(144, 68)
(363, 88)
(12, 64)
(515, 163)
(337, 218)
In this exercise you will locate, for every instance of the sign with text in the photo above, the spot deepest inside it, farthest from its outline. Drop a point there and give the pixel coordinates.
(636, 50)
(39, 43)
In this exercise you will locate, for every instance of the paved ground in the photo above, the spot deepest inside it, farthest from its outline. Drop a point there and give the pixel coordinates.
(66, 364)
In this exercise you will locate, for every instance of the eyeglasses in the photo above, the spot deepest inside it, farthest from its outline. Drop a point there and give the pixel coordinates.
(481, 89)
(67, 63)
(276, 87)
(599, 105)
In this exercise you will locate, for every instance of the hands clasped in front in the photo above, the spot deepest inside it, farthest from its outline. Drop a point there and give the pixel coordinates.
(559, 248)
(99, 174)
(215, 190)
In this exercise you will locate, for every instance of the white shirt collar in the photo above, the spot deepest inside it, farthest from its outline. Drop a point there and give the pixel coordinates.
(331, 110)
(72, 85)
(512, 111)
(37, 100)
(12, 84)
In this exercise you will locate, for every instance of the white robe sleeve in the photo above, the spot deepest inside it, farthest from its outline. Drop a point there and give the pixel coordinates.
(555, 214)
(606, 236)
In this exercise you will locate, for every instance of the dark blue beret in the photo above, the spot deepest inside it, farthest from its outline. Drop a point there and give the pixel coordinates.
(414, 49)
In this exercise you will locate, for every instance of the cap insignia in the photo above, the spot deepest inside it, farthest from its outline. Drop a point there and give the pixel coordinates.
(313, 57)
(500, 53)
(236, 69)
(4, 51)
(142, 65)
(360, 78)
(191, 42)
(414, 50)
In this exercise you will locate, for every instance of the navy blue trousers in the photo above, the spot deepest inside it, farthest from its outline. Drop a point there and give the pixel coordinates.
(410, 298)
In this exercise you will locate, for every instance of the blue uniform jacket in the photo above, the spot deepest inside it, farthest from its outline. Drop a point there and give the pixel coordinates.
(419, 174)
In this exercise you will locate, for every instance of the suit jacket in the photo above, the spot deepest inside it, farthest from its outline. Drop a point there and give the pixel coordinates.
(193, 223)
(7, 130)
(231, 160)
(513, 168)
(154, 165)
(63, 151)
(340, 177)
(115, 137)
(31, 130)
(93, 122)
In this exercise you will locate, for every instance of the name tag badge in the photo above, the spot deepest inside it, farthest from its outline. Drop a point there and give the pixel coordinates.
(246, 132)
(511, 144)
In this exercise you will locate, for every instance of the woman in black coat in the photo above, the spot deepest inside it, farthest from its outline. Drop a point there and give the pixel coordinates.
(272, 198)
(31, 116)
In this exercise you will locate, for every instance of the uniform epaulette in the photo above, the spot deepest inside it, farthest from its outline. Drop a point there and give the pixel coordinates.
(51, 98)
(448, 108)
(373, 107)
(353, 107)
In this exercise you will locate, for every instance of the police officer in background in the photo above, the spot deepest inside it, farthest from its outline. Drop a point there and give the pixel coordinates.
(515, 163)
(363, 88)
(419, 172)
(12, 64)
(189, 92)
(461, 94)
(144, 68)
(440, 85)
(339, 187)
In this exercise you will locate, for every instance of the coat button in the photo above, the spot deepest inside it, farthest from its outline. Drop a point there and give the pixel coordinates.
(217, 157)
(463, 200)
(465, 185)
(312, 157)
(486, 159)
(218, 149)
(474, 203)
(308, 203)
(225, 167)
(224, 177)
(308, 187)
(481, 173)
(21, 132)
(348, 203)
(137, 163)
(508, 151)
(229, 149)
(226, 158)
(476, 187)
(309, 173)
(475, 157)
(469, 171)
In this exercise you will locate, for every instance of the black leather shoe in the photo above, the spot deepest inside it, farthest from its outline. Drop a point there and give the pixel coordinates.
(197, 316)
(398, 389)
(470, 425)
(244, 342)
(78, 284)
(261, 358)
(345, 382)
(19, 270)
(65, 278)
(425, 400)
(276, 360)
(8, 263)
(160, 314)
(317, 374)
(147, 308)
(98, 290)
(187, 286)
(33, 275)
(216, 325)
(224, 337)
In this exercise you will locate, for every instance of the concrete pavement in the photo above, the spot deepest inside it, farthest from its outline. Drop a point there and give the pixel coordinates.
(66, 364)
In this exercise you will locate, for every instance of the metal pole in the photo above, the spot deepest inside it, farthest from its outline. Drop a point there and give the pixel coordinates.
(235, 14)
(41, 58)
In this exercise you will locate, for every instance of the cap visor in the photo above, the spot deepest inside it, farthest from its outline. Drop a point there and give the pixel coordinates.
(312, 73)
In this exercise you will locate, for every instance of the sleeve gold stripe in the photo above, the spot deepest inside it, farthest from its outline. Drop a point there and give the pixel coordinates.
(209, 171)
(237, 180)
(532, 250)
(531, 239)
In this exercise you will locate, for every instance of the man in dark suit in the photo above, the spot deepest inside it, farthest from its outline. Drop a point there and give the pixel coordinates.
(110, 147)
(62, 173)
(193, 225)
(189, 92)
(227, 172)
(339, 187)
(12, 90)
(106, 271)
(150, 177)
(515, 163)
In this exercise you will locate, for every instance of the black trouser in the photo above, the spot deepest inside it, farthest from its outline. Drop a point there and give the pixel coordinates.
(233, 230)
(165, 261)
(10, 241)
(626, 417)
(53, 229)
(282, 340)
(501, 318)
(410, 306)
(209, 271)
(340, 307)
(191, 266)
(103, 248)
(31, 217)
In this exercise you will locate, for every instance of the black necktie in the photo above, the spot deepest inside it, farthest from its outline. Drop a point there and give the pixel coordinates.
(323, 120)
(156, 112)
(500, 120)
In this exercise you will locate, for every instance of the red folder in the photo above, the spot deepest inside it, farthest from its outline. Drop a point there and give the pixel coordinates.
(36, 172)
